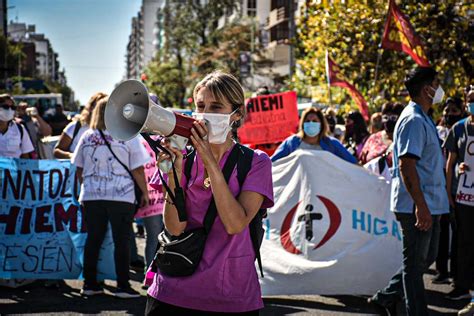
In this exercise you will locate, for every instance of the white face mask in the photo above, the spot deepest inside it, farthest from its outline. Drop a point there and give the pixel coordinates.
(438, 96)
(218, 125)
(6, 115)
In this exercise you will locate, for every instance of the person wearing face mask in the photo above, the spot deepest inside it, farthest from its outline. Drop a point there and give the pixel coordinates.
(225, 280)
(14, 139)
(418, 193)
(73, 131)
(379, 143)
(356, 133)
(460, 135)
(453, 112)
(312, 135)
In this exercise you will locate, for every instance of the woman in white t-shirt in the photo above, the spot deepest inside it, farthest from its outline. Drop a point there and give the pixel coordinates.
(74, 130)
(107, 195)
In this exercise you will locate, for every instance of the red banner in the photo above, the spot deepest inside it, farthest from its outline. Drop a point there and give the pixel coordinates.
(337, 79)
(270, 118)
(400, 35)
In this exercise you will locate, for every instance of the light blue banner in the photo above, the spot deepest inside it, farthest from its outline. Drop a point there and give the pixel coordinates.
(42, 228)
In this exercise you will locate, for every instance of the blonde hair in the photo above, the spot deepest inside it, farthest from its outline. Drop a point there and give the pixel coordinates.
(324, 123)
(97, 120)
(224, 87)
(86, 114)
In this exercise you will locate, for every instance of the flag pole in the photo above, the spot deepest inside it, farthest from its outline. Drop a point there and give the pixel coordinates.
(328, 78)
(379, 53)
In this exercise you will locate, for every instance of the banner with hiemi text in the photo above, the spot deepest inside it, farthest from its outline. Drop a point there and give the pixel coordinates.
(330, 231)
(42, 226)
(270, 118)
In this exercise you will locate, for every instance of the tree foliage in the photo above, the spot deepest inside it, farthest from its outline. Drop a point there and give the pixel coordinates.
(352, 33)
(195, 44)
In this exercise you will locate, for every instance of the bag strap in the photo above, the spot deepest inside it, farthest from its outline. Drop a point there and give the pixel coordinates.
(77, 127)
(227, 171)
(19, 126)
(116, 158)
(188, 165)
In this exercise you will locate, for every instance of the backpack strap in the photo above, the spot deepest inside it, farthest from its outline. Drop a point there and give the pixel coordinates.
(77, 127)
(243, 167)
(20, 128)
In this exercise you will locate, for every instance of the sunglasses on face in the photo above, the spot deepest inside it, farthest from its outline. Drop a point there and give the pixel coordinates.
(7, 106)
(389, 117)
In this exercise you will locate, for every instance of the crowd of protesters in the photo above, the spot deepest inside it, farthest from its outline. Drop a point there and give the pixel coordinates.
(422, 159)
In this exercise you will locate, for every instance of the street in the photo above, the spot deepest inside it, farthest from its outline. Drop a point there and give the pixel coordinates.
(66, 300)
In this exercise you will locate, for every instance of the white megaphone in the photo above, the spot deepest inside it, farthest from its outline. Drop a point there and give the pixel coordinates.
(130, 111)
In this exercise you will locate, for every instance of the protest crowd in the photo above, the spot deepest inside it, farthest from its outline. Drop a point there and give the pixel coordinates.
(233, 196)
(424, 159)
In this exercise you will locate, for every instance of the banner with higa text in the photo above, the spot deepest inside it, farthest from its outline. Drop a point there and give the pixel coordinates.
(42, 227)
(330, 230)
(270, 118)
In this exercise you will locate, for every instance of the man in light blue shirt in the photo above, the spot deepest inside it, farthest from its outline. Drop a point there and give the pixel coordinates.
(418, 195)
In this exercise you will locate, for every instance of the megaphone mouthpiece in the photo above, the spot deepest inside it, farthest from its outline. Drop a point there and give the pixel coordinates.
(134, 113)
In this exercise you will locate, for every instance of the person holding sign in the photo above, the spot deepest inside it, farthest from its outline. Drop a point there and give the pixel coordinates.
(104, 168)
(225, 279)
(313, 135)
(460, 145)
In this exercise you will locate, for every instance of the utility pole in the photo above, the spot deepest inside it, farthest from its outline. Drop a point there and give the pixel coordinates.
(291, 31)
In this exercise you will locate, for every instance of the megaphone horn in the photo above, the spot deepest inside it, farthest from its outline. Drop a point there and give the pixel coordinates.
(130, 111)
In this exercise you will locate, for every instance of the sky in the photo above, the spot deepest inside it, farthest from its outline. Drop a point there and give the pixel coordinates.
(90, 37)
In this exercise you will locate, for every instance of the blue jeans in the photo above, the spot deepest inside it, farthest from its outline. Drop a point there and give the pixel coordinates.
(419, 252)
(153, 226)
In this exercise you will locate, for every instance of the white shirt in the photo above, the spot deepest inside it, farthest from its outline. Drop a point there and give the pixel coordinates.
(104, 178)
(69, 131)
(11, 143)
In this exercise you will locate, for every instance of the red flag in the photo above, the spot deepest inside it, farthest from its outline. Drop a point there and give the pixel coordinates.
(400, 35)
(337, 79)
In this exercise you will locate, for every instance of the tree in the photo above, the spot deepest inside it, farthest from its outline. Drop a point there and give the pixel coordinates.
(352, 33)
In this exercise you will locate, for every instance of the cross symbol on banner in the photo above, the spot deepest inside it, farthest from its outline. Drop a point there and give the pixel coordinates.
(308, 218)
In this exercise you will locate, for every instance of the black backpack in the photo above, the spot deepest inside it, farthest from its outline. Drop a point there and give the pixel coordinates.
(244, 163)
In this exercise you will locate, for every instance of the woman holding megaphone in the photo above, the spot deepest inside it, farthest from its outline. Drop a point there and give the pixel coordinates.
(220, 204)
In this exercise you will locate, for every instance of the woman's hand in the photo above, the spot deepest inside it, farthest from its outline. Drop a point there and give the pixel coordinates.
(463, 167)
(178, 156)
(144, 200)
(201, 143)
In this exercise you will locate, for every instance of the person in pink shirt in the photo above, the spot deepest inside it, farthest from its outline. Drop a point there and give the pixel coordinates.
(226, 280)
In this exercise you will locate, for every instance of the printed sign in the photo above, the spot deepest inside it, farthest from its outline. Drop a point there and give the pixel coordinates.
(465, 192)
(42, 225)
(270, 118)
(330, 231)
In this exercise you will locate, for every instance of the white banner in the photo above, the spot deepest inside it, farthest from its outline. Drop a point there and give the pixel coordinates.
(330, 231)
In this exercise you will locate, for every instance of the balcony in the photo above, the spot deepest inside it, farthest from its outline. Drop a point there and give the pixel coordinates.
(276, 17)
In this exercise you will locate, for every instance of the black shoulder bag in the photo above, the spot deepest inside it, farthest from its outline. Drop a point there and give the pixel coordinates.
(180, 256)
(136, 188)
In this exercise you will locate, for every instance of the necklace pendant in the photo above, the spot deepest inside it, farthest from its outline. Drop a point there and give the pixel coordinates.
(207, 183)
